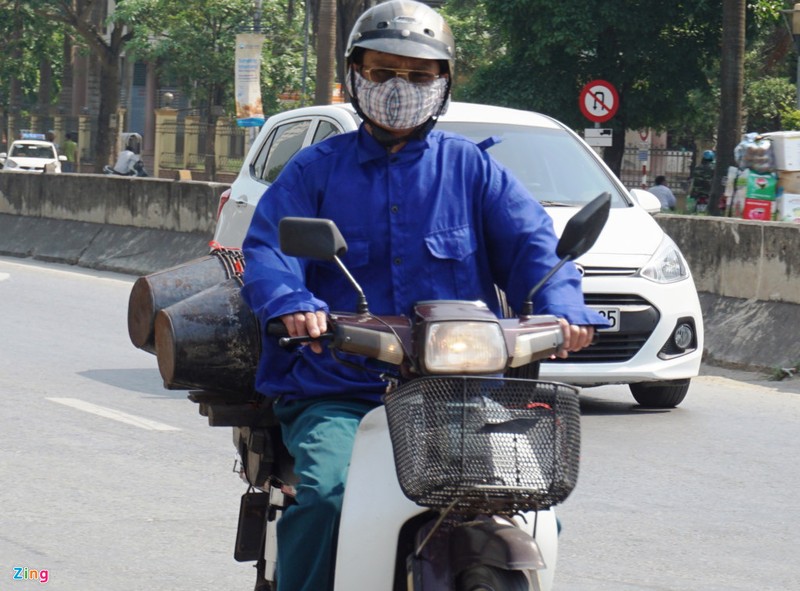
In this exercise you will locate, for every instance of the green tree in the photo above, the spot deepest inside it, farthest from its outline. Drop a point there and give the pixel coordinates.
(29, 76)
(193, 44)
(766, 101)
(84, 19)
(478, 40)
(653, 55)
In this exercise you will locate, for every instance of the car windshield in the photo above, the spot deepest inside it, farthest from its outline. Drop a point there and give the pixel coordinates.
(31, 151)
(552, 165)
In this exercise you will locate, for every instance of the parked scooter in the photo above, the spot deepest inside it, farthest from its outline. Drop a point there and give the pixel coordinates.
(129, 162)
(137, 169)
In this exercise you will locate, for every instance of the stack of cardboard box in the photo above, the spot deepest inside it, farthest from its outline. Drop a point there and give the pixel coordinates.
(754, 184)
(786, 147)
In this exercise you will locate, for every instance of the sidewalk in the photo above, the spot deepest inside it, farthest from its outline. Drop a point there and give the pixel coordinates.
(790, 385)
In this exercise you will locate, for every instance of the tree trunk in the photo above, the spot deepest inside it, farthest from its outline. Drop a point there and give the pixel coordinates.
(347, 15)
(326, 51)
(731, 92)
(45, 91)
(209, 148)
(65, 98)
(109, 105)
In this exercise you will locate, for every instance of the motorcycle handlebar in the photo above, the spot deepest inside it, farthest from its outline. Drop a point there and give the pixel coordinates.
(276, 328)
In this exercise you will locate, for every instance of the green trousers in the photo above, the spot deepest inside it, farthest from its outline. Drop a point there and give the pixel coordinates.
(319, 434)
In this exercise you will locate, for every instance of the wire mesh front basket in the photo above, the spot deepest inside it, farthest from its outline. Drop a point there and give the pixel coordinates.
(485, 444)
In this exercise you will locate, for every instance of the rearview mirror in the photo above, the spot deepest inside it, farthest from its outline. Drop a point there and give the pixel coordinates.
(578, 236)
(584, 227)
(311, 238)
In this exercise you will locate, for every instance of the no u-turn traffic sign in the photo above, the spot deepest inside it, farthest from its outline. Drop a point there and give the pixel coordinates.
(599, 101)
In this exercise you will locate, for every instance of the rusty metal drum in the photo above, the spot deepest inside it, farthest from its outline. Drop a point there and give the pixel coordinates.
(159, 290)
(209, 341)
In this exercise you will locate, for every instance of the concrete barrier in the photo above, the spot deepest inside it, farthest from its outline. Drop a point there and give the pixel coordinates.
(123, 224)
(739, 258)
(747, 273)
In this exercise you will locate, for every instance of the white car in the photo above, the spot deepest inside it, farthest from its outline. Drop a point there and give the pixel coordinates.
(635, 275)
(32, 156)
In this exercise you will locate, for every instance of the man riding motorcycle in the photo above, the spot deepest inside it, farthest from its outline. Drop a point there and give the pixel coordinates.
(427, 215)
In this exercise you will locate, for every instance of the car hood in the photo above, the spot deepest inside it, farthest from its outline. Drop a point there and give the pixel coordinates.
(629, 238)
(32, 162)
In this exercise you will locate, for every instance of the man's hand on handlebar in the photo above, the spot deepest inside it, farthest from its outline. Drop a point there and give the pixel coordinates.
(311, 324)
(575, 338)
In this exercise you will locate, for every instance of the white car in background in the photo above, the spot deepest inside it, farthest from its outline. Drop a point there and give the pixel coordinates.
(635, 275)
(32, 156)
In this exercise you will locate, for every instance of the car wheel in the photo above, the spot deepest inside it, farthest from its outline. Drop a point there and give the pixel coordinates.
(660, 394)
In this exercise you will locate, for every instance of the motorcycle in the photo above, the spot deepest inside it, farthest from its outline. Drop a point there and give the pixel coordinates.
(452, 482)
(138, 170)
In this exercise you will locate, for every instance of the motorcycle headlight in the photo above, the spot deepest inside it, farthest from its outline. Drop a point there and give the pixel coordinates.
(464, 347)
(667, 265)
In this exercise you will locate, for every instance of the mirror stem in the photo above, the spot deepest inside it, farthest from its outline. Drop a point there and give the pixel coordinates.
(362, 307)
(527, 306)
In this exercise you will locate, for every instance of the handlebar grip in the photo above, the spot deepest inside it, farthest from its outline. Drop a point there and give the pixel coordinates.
(291, 341)
(276, 328)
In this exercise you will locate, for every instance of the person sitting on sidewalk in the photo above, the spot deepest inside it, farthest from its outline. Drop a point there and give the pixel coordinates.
(664, 194)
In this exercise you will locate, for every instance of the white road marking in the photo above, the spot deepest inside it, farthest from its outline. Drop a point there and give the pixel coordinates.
(115, 415)
(70, 270)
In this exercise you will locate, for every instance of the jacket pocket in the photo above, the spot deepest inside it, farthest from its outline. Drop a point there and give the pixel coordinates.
(452, 269)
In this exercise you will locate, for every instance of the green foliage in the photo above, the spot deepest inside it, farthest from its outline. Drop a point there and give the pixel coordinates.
(478, 41)
(28, 40)
(194, 44)
(790, 120)
(654, 57)
(282, 68)
(781, 373)
(766, 100)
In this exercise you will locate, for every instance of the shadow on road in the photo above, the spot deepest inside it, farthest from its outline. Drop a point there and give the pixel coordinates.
(596, 406)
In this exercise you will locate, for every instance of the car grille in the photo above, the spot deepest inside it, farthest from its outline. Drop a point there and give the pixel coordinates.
(638, 319)
(609, 271)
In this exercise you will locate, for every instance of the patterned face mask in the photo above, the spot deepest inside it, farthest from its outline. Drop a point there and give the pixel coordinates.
(398, 104)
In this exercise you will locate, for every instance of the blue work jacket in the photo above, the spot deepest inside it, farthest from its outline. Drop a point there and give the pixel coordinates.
(439, 219)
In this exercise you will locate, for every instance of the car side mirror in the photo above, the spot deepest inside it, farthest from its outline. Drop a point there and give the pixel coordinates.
(646, 200)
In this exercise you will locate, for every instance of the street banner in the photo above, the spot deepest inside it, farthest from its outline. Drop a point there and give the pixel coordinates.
(249, 109)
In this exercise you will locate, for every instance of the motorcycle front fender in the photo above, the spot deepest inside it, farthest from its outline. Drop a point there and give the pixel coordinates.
(494, 542)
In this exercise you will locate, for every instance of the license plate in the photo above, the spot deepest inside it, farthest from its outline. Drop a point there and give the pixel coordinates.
(610, 314)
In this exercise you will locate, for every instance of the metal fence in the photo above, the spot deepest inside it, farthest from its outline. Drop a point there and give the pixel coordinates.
(641, 167)
(182, 146)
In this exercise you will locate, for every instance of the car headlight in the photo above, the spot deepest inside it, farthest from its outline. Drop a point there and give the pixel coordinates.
(464, 347)
(667, 265)
(9, 163)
